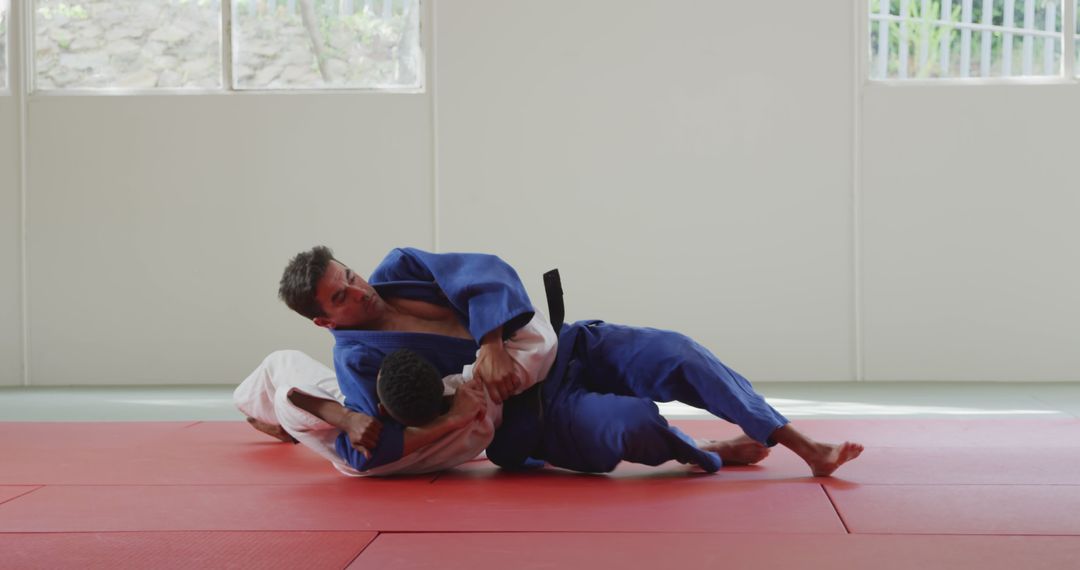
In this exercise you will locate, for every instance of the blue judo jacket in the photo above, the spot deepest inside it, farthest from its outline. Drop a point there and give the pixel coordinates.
(483, 290)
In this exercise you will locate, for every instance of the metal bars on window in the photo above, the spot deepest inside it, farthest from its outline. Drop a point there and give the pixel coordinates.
(971, 38)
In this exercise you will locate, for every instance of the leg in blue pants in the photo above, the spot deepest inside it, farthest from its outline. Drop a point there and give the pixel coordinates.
(667, 366)
(591, 432)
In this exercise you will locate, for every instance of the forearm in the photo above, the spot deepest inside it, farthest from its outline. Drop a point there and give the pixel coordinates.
(533, 348)
(329, 411)
(493, 340)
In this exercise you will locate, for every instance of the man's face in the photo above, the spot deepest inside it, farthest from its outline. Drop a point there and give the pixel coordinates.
(348, 301)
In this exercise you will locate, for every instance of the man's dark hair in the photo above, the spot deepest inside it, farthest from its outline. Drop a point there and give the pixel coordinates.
(410, 388)
(301, 276)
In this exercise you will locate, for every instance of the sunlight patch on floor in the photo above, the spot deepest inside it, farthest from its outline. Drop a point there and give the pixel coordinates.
(170, 402)
(819, 408)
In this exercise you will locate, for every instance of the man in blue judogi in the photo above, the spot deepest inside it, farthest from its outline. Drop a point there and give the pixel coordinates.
(600, 391)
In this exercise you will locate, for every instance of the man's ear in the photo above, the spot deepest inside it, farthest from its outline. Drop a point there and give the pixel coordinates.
(323, 322)
(382, 411)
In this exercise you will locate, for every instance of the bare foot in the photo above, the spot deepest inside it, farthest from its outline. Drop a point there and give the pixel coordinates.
(830, 456)
(274, 431)
(739, 451)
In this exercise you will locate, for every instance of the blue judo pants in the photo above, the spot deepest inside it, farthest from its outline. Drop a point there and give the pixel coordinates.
(603, 412)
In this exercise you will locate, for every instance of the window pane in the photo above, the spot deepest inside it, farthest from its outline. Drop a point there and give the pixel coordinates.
(133, 44)
(965, 38)
(287, 44)
(3, 44)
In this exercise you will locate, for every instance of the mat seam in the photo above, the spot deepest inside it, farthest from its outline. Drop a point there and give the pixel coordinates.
(968, 484)
(3, 484)
(761, 481)
(579, 531)
(835, 509)
(366, 546)
(380, 533)
(953, 534)
(679, 532)
(20, 495)
(188, 530)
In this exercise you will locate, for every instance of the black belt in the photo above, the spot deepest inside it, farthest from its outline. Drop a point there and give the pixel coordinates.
(520, 436)
(533, 399)
(553, 289)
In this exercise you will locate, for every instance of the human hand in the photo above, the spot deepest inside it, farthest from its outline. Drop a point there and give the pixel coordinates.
(496, 370)
(470, 403)
(363, 431)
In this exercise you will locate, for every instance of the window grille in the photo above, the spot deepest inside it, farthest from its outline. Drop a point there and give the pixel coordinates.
(923, 39)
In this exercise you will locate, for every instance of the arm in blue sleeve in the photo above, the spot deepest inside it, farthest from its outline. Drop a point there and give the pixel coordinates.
(388, 450)
(482, 287)
(358, 384)
(398, 265)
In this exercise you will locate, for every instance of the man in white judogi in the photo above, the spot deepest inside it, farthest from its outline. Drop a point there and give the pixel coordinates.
(265, 398)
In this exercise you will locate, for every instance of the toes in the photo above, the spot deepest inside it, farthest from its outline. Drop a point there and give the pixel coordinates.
(850, 451)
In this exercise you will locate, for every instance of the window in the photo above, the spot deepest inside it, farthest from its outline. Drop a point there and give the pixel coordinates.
(326, 43)
(1076, 42)
(132, 44)
(178, 44)
(966, 38)
(3, 44)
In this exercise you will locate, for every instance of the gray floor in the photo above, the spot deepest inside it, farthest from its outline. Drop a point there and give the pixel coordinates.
(794, 399)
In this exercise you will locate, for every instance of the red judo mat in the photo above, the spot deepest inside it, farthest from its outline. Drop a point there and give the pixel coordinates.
(565, 551)
(987, 493)
(164, 550)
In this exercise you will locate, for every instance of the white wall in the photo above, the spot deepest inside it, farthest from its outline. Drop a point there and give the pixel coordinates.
(971, 268)
(159, 226)
(11, 330)
(685, 165)
(674, 175)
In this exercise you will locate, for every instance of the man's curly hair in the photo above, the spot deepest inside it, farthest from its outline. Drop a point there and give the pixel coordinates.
(410, 388)
(301, 276)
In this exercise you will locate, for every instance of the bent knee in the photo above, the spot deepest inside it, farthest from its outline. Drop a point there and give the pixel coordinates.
(286, 353)
(284, 357)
